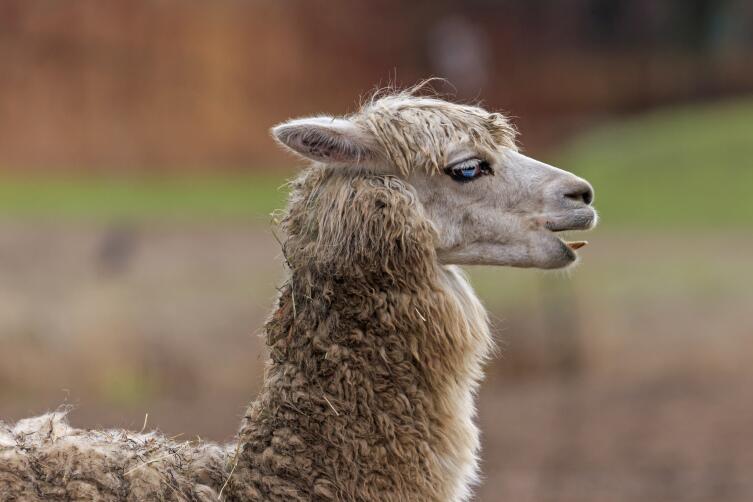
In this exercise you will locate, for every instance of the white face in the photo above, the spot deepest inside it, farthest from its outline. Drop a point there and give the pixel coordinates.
(498, 208)
(504, 210)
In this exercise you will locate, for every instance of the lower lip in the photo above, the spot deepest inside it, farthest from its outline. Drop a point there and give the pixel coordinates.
(571, 254)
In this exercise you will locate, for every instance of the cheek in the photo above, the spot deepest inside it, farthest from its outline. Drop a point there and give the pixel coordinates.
(449, 228)
(465, 224)
(509, 194)
(462, 214)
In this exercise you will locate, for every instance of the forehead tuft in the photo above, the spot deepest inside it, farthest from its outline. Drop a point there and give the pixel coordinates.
(416, 132)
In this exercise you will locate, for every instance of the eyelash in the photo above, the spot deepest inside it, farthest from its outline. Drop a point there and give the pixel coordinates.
(468, 170)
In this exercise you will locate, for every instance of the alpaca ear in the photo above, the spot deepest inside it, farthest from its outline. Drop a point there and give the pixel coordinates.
(324, 139)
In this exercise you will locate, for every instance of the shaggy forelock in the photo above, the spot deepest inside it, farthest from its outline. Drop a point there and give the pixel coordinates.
(415, 132)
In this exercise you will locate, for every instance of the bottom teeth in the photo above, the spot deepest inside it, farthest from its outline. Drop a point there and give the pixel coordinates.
(576, 244)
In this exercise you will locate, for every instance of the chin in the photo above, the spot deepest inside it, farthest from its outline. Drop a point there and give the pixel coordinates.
(563, 257)
(547, 252)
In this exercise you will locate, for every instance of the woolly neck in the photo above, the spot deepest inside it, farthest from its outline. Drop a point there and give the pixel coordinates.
(375, 353)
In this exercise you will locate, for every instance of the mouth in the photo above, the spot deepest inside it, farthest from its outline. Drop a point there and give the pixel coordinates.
(579, 220)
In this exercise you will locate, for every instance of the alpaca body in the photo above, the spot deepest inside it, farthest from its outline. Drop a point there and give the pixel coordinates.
(368, 394)
(43, 459)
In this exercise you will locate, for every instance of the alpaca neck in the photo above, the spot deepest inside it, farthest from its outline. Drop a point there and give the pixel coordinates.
(375, 352)
(369, 389)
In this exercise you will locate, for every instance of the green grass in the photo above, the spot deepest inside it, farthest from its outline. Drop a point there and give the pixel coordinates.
(687, 167)
(225, 197)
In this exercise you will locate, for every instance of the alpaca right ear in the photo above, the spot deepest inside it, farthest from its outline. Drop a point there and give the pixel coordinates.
(324, 139)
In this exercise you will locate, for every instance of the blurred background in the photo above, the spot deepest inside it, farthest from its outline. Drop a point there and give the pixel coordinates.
(137, 260)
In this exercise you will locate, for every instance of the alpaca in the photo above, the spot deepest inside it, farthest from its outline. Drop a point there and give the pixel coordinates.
(377, 341)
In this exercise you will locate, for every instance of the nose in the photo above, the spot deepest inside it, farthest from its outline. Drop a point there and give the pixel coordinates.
(579, 191)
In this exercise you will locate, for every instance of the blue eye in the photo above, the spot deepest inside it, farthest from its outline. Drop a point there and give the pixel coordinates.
(468, 169)
(469, 172)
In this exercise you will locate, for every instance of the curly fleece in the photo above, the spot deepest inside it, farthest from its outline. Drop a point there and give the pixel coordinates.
(43, 459)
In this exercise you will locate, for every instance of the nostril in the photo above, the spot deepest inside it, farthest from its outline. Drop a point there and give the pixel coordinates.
(588, 196)
(581, 194)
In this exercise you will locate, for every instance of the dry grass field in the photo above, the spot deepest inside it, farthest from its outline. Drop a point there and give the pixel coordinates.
(627, 378)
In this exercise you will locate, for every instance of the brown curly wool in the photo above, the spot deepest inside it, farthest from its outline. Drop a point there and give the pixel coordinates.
(376, 350)
(43, 458)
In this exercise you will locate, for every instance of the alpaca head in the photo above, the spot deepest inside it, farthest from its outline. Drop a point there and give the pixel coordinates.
(487, 203)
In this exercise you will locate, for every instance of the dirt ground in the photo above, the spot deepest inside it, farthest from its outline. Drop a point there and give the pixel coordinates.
(627, 379)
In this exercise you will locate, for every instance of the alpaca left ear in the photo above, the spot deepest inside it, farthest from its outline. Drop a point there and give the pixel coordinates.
(324, 139)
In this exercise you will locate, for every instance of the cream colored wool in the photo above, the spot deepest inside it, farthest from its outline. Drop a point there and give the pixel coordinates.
(415, 132)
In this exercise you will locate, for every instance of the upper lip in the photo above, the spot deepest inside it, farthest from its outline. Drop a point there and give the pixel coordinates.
(580, 219)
